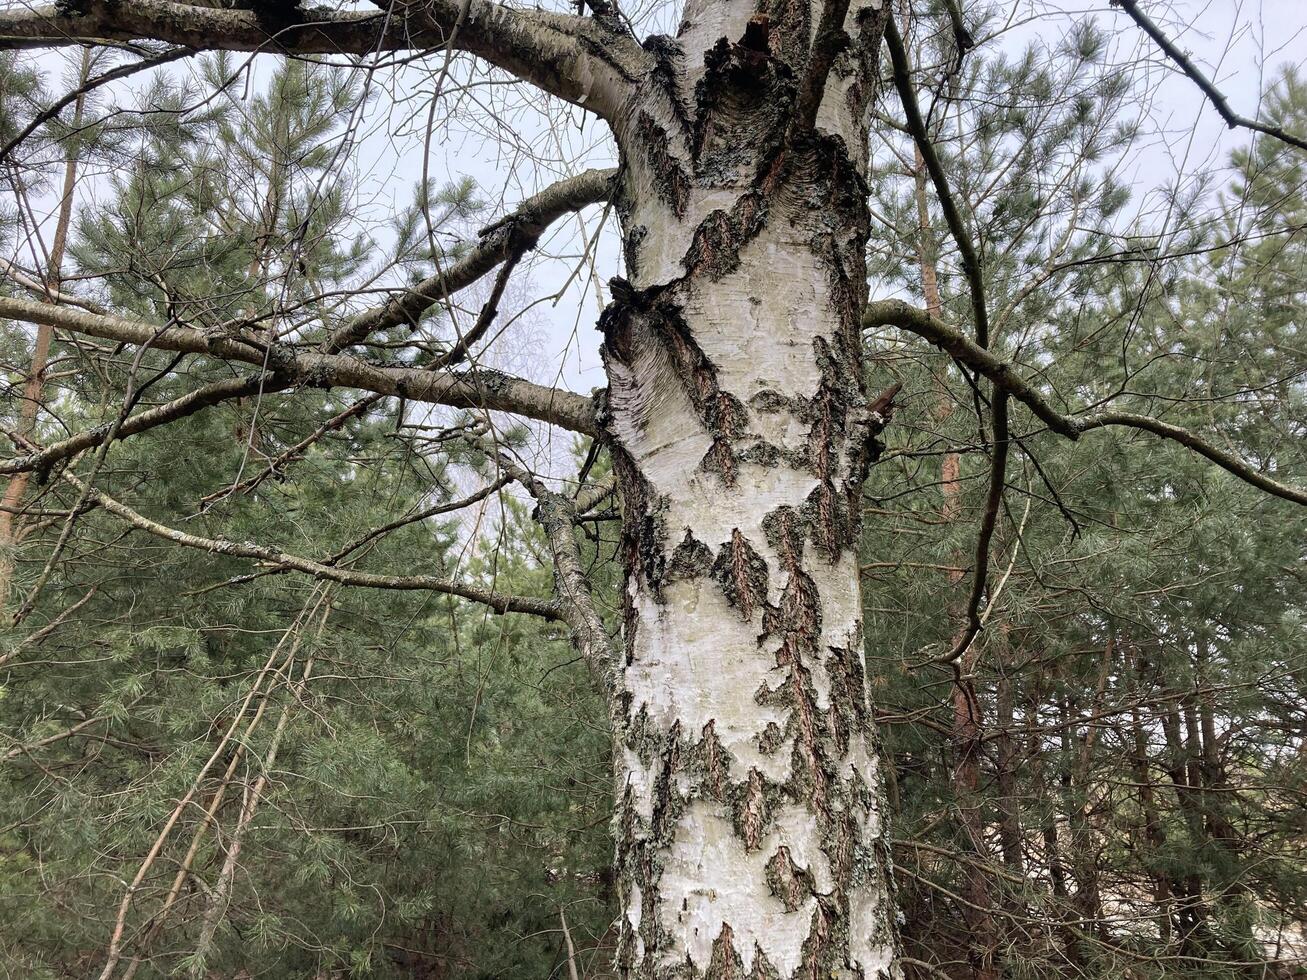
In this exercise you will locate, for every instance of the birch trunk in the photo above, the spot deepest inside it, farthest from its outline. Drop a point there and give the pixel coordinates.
(752, 840)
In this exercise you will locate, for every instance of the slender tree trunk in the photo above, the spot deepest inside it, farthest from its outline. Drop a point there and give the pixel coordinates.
(1191, 909)
(1154, 831)
(34, 384)
(752, 838)
(978, 912)
(1009, 801)
(967, 720)
(1041, 780)
(1079, 803)
(1216, 801)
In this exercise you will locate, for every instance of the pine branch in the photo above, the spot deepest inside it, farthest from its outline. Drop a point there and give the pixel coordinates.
(113, 75)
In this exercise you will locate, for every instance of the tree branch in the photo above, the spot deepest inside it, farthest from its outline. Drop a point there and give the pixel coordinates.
(515, 233)
(574, 58)
(952, 216)
(505, 239)
(178, 408)
(480, 389)
(1226, 460)
(829, 40)
(556, 514)
(321, 31)
(546, 608)
(1232, 118)
(897, 313)
(989, 520)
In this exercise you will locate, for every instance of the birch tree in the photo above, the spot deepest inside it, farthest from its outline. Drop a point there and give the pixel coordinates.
(739, 415)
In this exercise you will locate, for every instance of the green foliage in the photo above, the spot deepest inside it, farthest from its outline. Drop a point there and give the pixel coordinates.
(430, 782)
(1138, 685)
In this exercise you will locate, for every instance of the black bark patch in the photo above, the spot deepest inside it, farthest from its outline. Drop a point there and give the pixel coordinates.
(841, 850)
(725, 962)
(811, 776)
(762, 966)
(768, 402)
(715, 248)
(788, 882)
(754, 805)
(715, 767)
(771, 739)
(786, 528)
(669, 174)
(742, 574)
(669, 56)
(691, 559)
(848, 683)
(760, 452)
(643, 737)
(822, 951)
(790, 28)
(631, 247)
(837, 449)
(720, 459)
(829, 519)
(667, 806)
(646, 327)
(644, 534)
(743, 103)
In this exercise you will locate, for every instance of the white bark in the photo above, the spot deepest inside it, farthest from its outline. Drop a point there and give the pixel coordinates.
(752, 837)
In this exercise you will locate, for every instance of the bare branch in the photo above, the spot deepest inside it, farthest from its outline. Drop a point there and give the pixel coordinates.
(515, 233)
(1226, 460)
(574, 58)
(481, 389)
(546, 608)
(917, 126)
(203, 28)
(829, 40)
(989, 520)
(897, 313)
(556, 514)
(509, 237)
(178, 408)
(1232, 118)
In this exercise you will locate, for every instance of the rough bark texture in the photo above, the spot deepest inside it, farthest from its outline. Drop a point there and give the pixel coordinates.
(751, 828)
